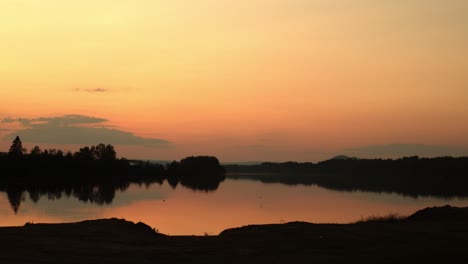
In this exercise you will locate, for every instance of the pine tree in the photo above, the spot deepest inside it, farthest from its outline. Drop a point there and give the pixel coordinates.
(16, 149)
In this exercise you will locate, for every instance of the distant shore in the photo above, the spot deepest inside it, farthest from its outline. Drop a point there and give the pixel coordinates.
(432, 235)
(412, 176)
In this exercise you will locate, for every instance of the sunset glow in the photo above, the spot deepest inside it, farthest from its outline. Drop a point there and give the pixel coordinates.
(249, 80)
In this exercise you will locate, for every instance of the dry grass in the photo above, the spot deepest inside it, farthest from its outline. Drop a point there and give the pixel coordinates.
(390, 218)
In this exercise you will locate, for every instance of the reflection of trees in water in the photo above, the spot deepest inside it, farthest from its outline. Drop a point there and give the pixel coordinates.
(15, 197)
(440, 177)
(353, 183)
(95, 193)
(200, 185)
(173, 181)
(202, 173)
(91, 178)
(206, 184)
(99, 194)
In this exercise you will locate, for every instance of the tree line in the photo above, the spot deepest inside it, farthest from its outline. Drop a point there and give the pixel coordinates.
(93, 174)
(99, 152)
(412, 176)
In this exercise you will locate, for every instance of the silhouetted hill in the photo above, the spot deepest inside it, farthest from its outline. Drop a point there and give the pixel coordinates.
(446, 213)
(432, 235)
(431, 214)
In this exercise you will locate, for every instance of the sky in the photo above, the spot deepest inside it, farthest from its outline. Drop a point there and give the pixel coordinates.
(256, 80)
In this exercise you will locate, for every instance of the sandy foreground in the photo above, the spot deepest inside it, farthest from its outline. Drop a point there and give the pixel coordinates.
(432, 235)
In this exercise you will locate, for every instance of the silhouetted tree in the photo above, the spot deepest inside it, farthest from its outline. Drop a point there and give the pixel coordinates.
(16, 149)
(52, 152)
(103, 152)
(172, 168)
(59, 153)
(15, 197)
(36, 151)
(69, 155)
(34, 195)
(85, 153)
(200, 173)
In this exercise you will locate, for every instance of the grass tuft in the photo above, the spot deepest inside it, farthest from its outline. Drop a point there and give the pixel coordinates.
(391, 218)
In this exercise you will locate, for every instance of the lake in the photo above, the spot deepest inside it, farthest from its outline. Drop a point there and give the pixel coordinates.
(183, 211)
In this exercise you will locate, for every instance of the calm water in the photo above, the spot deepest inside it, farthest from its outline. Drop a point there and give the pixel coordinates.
(235, 203)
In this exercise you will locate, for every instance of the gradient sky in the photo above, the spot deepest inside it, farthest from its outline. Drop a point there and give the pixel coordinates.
(242, 80)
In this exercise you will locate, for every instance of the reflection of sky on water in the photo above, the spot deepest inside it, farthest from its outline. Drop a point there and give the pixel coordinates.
(70, 208)
(397, 199)
(235, 203)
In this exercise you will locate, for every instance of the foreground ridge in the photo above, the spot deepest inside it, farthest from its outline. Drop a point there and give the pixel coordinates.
(431, 235)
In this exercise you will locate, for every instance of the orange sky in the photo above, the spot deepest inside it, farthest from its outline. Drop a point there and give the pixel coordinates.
(243, 80)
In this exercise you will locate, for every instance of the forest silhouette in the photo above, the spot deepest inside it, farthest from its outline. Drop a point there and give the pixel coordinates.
(93, 174)
(411, 176)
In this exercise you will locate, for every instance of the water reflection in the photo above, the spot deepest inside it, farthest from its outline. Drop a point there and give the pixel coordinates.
(206, 184)
(95, 193)
(184, 211)
(103, 193)
(15, 197)
(412, 187)
(98, 194)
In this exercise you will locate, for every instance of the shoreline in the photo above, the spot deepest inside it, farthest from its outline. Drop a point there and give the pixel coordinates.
(430, 235)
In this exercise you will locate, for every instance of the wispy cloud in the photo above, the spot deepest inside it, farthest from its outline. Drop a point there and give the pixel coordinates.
(76, 129)
(91, 90)
(55, 121)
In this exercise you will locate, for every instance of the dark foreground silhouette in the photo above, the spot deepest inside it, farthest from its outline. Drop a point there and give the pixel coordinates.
(433, 235)
(412, 176)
